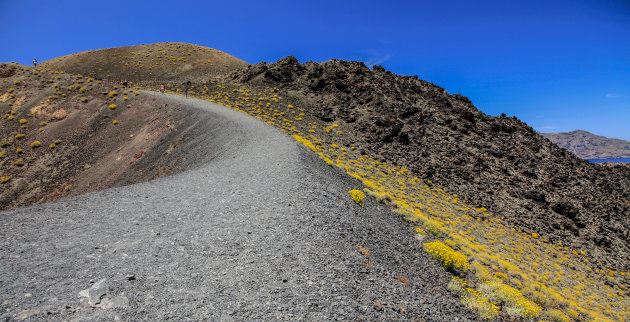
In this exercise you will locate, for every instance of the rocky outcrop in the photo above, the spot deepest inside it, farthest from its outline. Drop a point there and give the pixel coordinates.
(499, 162)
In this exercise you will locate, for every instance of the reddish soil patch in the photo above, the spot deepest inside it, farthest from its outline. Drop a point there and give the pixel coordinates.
(81, 149)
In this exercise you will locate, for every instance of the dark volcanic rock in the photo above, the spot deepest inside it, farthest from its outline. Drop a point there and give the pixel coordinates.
(496, 162)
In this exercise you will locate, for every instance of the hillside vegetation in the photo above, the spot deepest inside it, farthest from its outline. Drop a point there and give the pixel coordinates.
(63, 135)
(151, 64)
(495, 162)
(587, 145)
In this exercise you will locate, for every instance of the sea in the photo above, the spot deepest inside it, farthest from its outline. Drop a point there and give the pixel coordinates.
(609, 160)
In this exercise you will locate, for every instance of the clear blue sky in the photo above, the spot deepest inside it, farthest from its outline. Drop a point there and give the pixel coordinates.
(557, 65)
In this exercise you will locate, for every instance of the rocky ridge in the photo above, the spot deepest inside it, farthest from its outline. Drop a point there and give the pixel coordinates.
(499, 162)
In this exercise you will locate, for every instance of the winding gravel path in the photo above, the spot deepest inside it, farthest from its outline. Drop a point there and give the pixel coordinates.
(264, 231)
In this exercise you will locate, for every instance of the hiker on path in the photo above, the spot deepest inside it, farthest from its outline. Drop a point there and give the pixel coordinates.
(35, 62)
(188, 83)
(162, 89)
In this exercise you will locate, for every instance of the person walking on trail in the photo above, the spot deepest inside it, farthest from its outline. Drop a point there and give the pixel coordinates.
(162, 89)
(188, 83)
(35, 62)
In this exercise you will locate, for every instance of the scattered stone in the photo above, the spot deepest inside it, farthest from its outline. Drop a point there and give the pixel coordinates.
(95, 292)
(378, 306)
(404, 280)
(26, 314)
(120, 301)
(131, 277)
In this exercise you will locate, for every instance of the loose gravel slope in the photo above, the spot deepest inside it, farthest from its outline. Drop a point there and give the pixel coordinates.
(263, 231)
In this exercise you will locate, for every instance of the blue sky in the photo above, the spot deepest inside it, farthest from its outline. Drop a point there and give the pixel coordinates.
(557, 65)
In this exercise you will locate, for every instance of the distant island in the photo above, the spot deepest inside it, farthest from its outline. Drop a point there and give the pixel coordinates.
(589, 146)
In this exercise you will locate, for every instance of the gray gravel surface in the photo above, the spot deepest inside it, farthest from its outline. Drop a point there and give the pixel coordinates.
(263, 231)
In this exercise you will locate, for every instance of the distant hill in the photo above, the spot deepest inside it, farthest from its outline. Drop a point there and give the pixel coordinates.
(587, 145)
(150, 64)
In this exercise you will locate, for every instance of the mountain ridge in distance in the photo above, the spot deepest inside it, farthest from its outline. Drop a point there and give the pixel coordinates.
(587, 145)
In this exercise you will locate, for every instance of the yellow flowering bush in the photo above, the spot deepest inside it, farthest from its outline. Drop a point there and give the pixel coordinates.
(556, 316)
(357, 196)
(433, 226)
(36, 144)
(478, 302)
(448, 257)
(305, 142)
(514, 301)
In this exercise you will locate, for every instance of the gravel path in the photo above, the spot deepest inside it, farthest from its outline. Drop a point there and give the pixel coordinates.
(263, 231)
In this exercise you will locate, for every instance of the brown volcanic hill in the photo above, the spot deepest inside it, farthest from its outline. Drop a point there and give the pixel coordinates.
(587, 145)
(81, 148)
(499, 163)
(152, 64)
